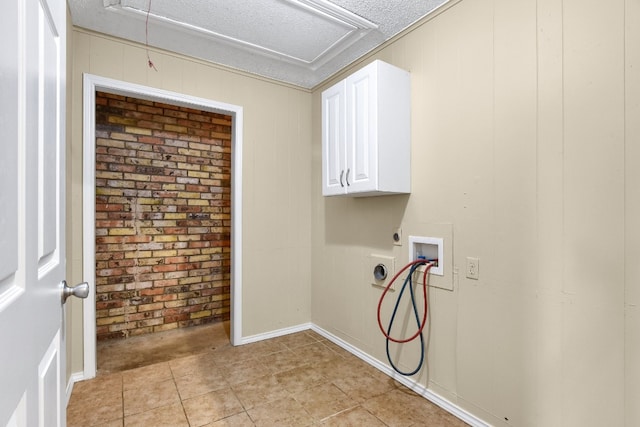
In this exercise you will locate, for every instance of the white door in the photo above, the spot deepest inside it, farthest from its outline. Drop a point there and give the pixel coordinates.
(333, 140)
(32, 237)
(362, 137)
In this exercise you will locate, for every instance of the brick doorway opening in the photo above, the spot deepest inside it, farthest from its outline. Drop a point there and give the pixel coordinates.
(162, 216)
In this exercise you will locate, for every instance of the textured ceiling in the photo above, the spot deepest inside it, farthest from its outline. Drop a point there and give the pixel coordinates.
(301, 42)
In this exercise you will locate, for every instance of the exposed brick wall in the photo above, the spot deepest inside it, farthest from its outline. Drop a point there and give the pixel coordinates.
(163, 216)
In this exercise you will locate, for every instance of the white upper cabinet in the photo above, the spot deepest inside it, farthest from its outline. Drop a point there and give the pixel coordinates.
(366, 146)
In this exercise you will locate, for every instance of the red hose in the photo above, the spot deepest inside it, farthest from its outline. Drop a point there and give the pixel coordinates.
(386, 289)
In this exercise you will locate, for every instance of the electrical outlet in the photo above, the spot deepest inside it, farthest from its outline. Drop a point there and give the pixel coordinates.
(473, 268)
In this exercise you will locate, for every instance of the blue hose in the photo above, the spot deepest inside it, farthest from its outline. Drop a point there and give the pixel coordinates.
(409, 280)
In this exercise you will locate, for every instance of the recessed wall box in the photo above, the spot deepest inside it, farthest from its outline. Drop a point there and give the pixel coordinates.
(379, 270)
(430, 249)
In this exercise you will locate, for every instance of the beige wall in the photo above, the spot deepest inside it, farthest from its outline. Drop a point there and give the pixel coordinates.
(276, 174)
(525, 138)
(524, 149)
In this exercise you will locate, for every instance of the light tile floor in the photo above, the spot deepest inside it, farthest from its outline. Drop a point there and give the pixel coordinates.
(195, 377)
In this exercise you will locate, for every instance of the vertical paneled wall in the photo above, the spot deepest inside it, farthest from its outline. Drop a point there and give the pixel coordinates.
(524, 144)
(524, 130)
(632, 212)
(276, 173)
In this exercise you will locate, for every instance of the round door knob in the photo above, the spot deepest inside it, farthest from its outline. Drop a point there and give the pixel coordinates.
(81, 290)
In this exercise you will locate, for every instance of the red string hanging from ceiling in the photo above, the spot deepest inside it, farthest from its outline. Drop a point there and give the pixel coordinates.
(149, 61)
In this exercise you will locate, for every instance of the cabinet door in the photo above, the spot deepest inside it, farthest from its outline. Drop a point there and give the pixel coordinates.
(333, 140)
(362, 139)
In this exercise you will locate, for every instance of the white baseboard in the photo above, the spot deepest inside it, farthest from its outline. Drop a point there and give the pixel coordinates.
(276, 333)
(420, 389)
(74, 378)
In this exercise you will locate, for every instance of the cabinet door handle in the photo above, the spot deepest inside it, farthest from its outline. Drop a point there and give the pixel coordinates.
(341, 173)
(347, 178)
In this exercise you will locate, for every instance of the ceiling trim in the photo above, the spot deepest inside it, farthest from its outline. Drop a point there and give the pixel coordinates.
(354, 27)
(298, 42)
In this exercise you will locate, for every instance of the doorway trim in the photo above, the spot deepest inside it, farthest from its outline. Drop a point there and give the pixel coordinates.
(93, 83)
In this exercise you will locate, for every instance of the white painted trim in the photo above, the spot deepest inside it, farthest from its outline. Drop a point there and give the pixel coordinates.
(355, 27)
(91, 84)
(420, 389)
(88, 226)
(74, 378)
(277, 333)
